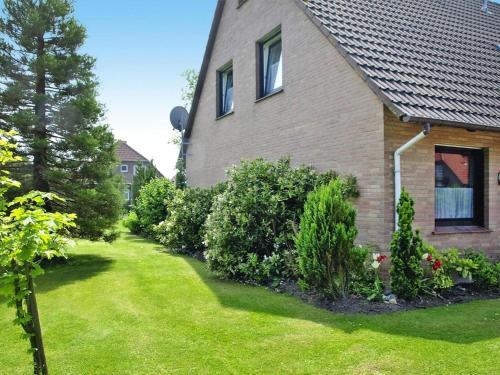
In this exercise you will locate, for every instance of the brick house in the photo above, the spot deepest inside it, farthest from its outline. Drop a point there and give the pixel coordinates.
(129, 160)
(344, 84)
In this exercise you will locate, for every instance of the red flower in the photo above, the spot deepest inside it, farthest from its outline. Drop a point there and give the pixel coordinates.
(437, 265)
(381, 258)
(429, 258)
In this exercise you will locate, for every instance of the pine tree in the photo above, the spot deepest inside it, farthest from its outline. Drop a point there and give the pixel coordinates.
(48, 95)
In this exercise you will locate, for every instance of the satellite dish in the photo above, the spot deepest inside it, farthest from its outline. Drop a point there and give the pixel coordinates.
(178, 118)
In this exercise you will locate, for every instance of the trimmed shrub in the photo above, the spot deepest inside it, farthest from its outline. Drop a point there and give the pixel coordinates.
(326, 239)
(151, 204)
(111, 236)
(250, 232)
(184, 229)
(131, 222)
(406, 252)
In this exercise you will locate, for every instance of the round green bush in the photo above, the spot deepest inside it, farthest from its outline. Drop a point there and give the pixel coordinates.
(131, 222)
(151, 204)
(184, 229)
(325, 240)
(251, 228)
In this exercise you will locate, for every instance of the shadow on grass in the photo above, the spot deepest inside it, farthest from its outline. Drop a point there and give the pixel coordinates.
(464, 323)
(77, 268)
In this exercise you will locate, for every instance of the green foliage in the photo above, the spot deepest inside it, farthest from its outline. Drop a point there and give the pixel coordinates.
(184, 229)
(326, 239)
(487, 273)
(111, 236)
(191, 77)
(144, 173)
(255, 219)
(180, 175)
(406, 252)
(151, 204)
(48, 95)
(28, 234)
(364, 275)
(131, 222)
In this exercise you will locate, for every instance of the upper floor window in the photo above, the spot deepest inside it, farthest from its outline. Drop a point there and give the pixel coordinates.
(459, 194)
(270, 65)
(225, 90)
(124, 168)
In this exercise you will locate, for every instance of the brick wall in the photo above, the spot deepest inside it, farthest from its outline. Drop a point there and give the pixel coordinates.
(326, 116)
(418, 178)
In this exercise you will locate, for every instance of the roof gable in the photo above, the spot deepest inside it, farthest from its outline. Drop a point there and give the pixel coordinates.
(126, 153)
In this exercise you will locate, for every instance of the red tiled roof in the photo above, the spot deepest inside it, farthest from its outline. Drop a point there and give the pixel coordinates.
(127, 153)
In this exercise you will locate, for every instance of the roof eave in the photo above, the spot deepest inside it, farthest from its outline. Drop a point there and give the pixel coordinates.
(454, 124)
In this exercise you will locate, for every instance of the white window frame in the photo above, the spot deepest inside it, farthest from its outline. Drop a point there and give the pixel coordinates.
(224, 79)
(124, 170)
(264, 56)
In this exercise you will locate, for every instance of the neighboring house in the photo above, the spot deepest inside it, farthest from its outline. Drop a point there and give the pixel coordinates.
(342, 85)
(129, 160)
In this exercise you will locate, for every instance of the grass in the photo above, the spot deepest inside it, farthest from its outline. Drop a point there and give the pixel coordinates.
(129, 308)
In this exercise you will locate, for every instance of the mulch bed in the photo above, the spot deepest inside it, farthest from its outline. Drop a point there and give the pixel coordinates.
(354, 304)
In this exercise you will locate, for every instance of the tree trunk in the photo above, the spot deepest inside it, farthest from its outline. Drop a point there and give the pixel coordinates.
(40, 134)
(39, 361)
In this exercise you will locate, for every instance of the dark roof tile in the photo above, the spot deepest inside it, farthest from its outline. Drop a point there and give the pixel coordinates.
(434, 60)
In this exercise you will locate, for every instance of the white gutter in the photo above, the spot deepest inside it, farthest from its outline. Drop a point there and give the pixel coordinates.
(397, 168)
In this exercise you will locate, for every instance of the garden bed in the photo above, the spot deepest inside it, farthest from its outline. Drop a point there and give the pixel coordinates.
(354, 304)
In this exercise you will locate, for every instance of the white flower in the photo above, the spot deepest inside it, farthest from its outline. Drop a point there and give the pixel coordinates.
(375, 256)
(424, 257)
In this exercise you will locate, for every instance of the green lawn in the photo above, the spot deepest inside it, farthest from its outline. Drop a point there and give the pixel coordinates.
(129, 308)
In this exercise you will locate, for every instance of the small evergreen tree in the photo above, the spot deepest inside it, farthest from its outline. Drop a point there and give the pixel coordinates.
(326, 238)
(145, 172)
(406, 252)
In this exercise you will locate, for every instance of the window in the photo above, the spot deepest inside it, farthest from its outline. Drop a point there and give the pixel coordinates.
(225, 91)
(124, 168)
(270, 65)
(459, 190)
(128, 193)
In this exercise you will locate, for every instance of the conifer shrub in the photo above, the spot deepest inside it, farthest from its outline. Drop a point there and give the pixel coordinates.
(326, 239)
(183, 231)
(250, 231)
(406, 252)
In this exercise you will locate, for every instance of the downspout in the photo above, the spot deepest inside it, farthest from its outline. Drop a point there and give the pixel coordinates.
(397, 167)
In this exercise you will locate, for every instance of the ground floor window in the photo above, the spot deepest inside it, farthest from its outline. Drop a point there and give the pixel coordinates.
(459, 186)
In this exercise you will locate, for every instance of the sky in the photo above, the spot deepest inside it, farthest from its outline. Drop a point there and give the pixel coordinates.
(142, 47)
